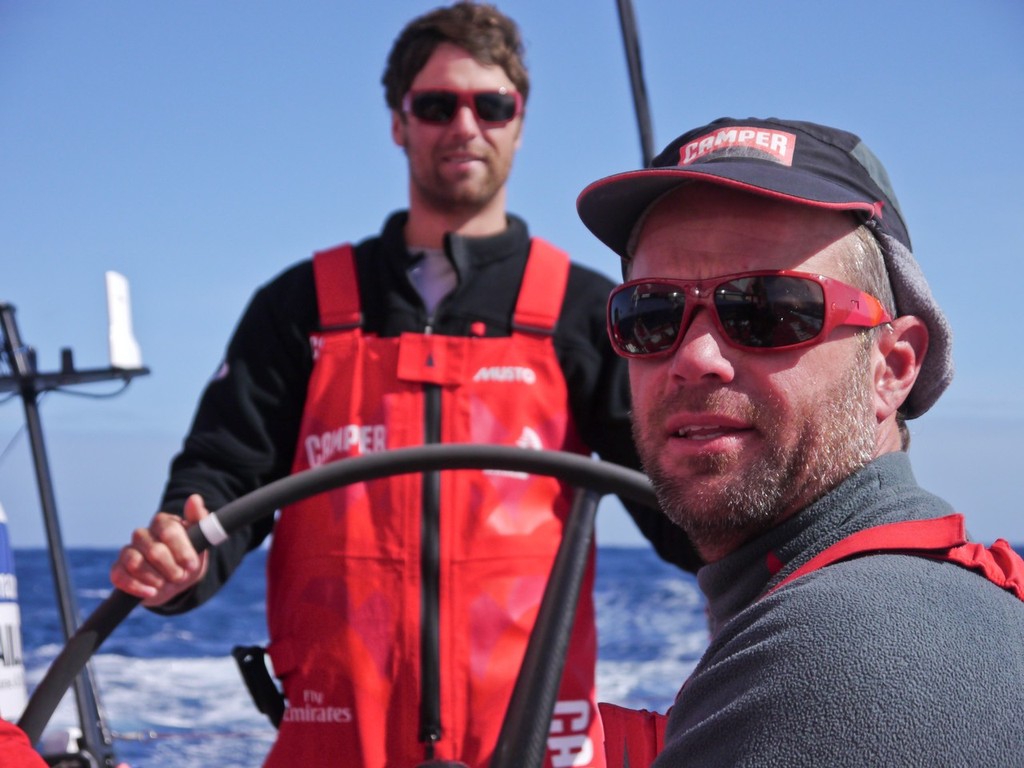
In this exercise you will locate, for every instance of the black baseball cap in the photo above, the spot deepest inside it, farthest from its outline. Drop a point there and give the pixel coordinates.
(800, 162)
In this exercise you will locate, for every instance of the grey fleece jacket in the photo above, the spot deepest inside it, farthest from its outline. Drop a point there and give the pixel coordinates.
(884, 660)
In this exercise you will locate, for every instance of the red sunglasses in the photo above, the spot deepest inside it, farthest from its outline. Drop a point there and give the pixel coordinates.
(756, 311)
(439, 106)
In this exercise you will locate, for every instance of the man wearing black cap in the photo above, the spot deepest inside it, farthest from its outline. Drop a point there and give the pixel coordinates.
(779, 331)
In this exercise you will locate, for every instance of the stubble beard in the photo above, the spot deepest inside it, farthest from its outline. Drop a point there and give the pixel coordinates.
(837, 438)
(465, 195)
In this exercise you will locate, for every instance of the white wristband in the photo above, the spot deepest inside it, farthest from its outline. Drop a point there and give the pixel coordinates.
(213, 530)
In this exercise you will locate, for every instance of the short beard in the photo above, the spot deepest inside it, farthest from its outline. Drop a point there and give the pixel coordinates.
(466, 200)
(836, 439)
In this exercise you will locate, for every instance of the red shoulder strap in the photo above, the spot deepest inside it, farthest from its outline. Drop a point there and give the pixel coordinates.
(999, 563)
(337, 289)
(543, 289)
(942, 538)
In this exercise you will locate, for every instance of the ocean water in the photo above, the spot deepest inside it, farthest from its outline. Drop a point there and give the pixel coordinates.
(172, 696)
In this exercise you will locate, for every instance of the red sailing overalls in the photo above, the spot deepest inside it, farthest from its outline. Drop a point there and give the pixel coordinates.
(399, 610)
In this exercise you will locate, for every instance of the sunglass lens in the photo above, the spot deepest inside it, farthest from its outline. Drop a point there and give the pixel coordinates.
(495, 107)
(770, 310)
(435, 106)
(645, 319)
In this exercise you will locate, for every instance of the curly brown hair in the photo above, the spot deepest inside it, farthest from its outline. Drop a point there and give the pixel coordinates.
(480, 29)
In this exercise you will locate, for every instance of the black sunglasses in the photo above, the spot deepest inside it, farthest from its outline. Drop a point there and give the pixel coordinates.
(757, 311)
(440, 106)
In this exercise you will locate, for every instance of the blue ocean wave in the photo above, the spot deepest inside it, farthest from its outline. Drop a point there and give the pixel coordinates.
(172, 695)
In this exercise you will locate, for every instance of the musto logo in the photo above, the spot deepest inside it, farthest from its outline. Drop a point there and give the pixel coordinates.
(352, 439)
(506, 374)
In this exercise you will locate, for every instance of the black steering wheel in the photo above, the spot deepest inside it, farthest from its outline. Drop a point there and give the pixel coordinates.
(522, 741)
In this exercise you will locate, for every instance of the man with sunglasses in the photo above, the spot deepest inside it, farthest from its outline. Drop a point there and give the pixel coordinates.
(779, 331)
(399, 611)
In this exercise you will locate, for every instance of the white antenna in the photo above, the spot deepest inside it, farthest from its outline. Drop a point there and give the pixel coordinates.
(13, 692)
(124, 349)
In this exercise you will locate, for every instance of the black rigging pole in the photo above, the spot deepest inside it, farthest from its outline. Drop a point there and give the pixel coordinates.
(631, 39)
(95, 744)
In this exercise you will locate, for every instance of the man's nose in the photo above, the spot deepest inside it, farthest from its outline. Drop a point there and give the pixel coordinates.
(702, 350)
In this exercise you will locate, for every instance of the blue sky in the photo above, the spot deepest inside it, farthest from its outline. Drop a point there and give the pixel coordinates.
(201, 147)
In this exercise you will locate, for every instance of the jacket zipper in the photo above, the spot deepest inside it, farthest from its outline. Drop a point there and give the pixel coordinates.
(430, 650)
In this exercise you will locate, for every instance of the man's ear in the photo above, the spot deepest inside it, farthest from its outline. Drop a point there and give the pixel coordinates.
(901, 346)
(397, 128)
(519, 130)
